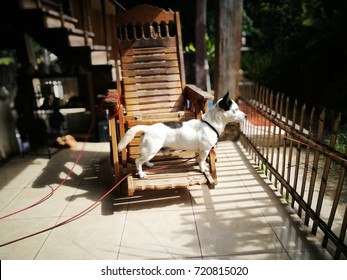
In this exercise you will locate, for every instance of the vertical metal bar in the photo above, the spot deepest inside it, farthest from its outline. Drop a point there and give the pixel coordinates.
(342, 234)
(284, 153)
(298, 152)
(289, 163)
(326, 170)
(248, 124)
(279, 138)
(306, 165)
(269, 126)
(274, 133)
(259, 122)
(338, 192)
(336, 202)
(250, 118)
(251, 125)
(315, 163)
(264, 125)
(256, 126)
(253, 113)
(262, 97)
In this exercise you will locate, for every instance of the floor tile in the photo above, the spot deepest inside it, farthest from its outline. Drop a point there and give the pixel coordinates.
(21, 176)
(28, 248)
(53, 206)
(7, 195)
(92, 237)
(239, 231)
(221, 198)
(160, 235)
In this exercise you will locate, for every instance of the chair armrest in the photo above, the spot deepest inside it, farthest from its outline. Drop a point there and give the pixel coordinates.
(193, 93)
(111, 99)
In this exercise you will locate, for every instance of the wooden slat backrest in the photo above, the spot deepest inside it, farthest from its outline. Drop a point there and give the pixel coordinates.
(148, 47)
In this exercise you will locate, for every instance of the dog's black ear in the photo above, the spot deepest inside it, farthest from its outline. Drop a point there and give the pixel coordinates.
(225, 103)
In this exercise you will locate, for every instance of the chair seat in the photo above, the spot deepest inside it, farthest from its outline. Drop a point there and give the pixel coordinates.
(168, 174)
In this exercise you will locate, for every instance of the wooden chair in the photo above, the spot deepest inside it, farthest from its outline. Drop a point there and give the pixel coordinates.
(151, 88)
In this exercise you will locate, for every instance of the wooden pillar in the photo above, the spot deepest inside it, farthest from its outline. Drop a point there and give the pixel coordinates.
(105, 27)
(200, 30)
(25, 92)
(228, 48)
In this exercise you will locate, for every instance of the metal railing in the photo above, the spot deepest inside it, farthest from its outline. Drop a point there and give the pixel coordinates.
(290, 144)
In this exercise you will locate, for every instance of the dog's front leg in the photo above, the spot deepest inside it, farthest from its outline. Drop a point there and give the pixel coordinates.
(202, 158)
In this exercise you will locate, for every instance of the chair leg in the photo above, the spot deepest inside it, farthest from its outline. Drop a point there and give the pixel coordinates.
(128, 185)
(210, 181)
(131, 191)
(212, 164)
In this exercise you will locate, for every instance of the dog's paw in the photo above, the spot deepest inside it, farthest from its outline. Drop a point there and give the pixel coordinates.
(149, 164)
(142, 175)
(203, 169)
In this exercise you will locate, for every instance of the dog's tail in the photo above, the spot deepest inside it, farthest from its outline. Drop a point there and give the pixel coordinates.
(129, 135)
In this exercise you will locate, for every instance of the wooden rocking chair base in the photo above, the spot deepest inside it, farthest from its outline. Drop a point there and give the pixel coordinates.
(182, 173)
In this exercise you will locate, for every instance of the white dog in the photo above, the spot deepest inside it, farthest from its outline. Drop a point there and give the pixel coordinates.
(194, 135)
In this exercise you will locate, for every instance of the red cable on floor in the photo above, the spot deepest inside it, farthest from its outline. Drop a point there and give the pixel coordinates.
(52, 191)
(71, 218)
(80, 214)
(91, 128)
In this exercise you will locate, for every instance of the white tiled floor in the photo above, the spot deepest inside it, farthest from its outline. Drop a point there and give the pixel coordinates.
(243, 218)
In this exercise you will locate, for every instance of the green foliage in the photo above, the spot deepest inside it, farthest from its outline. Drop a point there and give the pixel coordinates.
(209, 46)
(6, 60)
(190, 48)
(299, 47)
(341, 140)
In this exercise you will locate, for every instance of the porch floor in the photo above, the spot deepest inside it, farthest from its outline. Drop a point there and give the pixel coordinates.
(244, 217)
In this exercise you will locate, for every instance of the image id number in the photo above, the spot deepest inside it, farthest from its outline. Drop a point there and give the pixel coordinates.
(231, 270)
